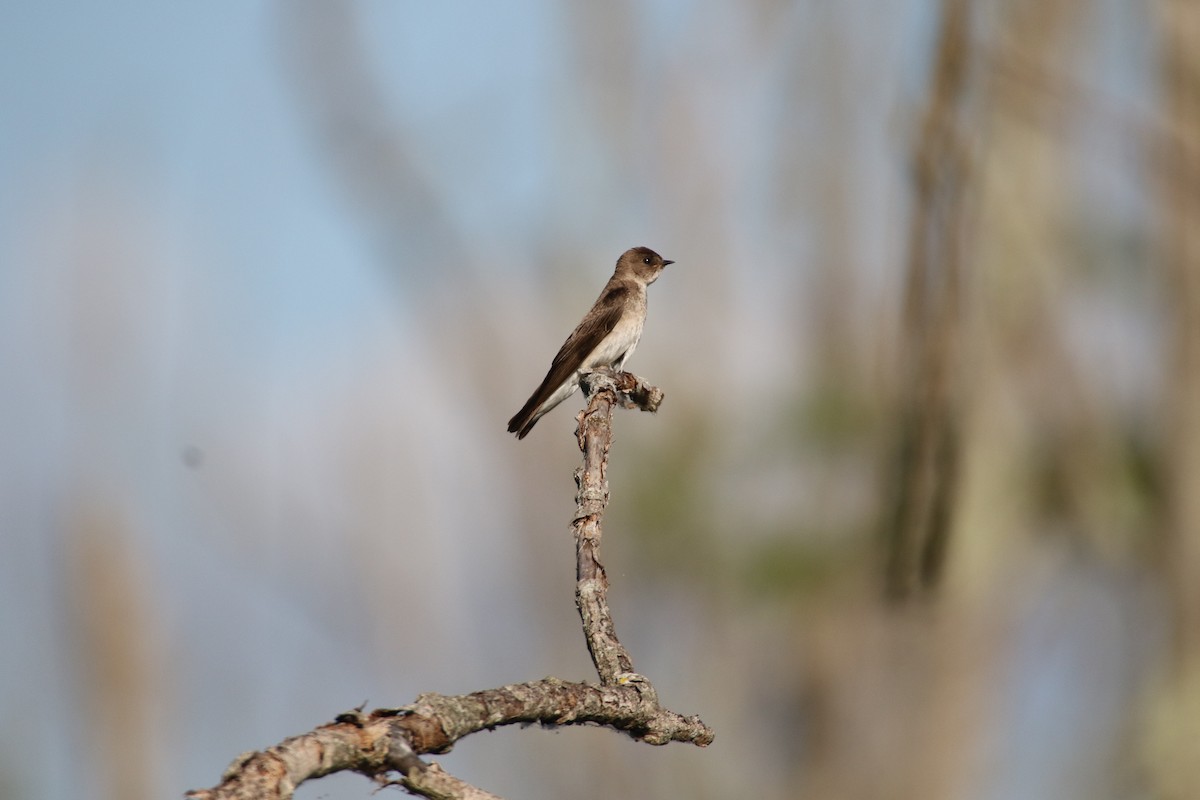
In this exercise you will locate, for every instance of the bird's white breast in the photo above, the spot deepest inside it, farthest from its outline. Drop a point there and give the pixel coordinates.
(622, 339)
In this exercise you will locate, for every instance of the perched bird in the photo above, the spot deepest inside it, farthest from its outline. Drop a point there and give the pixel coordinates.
(606, 337)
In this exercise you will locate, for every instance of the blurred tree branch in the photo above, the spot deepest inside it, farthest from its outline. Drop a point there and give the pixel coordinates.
(1171, 740)
(926, 459)
(388, 742)
(369, 153)
(1181, 252)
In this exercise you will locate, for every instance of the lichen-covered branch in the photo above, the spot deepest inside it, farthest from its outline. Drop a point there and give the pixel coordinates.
(386, 744)
(389, 740)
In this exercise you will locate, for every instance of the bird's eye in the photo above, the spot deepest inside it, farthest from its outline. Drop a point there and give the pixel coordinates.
(646, 260)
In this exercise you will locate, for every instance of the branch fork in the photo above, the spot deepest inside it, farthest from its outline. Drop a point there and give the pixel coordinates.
(386, 743)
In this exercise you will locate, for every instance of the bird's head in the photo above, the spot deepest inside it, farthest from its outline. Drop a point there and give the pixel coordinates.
(643, 263)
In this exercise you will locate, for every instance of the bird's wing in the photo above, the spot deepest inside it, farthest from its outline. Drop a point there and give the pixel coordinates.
(587, 337)
(582, 341)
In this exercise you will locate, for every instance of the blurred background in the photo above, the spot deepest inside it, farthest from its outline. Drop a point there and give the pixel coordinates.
(919, 517)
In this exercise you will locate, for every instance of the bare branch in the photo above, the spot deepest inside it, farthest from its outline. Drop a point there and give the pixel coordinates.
(437, 784)
(390, 739)
(388, 742)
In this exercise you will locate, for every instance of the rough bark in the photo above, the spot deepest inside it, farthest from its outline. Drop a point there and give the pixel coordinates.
(612, 660)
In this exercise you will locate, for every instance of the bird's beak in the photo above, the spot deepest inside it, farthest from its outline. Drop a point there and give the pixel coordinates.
(665, 262)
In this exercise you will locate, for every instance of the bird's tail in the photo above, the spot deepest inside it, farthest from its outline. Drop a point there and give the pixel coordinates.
(524, 420)
(547, 396)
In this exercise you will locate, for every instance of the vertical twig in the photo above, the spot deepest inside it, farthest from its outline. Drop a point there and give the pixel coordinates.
(611, 658)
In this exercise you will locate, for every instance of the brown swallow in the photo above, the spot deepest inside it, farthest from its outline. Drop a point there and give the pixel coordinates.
(606, 337)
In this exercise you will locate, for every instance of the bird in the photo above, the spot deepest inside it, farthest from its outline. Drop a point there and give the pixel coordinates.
(606, 337)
